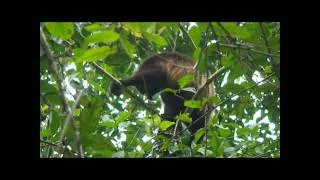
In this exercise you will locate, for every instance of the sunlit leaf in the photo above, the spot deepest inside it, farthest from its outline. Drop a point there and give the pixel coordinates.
(224, 132)
(94, 54)
(44, 133)
(63, 30)
(164, 125)
(195, 34)
(107, 36)
(198, 134)
(157, 39)
(193, 104)
(184, 117)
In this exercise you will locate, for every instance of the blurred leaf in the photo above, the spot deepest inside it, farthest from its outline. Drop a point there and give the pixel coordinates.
(224, 132)
(45, 133)
(55, 124)
(164, 125)
(185, 80)
(120, 154)
(54, 99)
(184, 117)
(215, 100)
(243, 131)
(123, 116)
(228, 61)
(193, 104)
(198, 134)
(109, 124)
(63, 30)
(157, 39)
(268, 69)
(47, 88)
(195, 34)
(254, 131)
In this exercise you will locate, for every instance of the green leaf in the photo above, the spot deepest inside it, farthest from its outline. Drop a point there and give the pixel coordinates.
(169, 90)
(94, 54)
(195, 34)
(233, 88)
(156, 120)
(44, 133)
(54, 99)
(254, 131)
(107, 36)
(184, 117)
(227, 61)
(93, 27)
(62, 30)
(198, 134)
(97, 142)
(193, 104)
(243, 131)
(235, 30)
(185, 80)
(123, 116)
(55, 124)
(47, 88)
(157, 39)
(164, 125)
(89, 117)
(224, 132)
(133, 27)
(109, 124)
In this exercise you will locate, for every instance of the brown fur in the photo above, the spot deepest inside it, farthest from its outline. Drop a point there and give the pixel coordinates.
(162, 71)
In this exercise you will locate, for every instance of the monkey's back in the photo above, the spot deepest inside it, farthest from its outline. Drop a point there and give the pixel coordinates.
(174, 65)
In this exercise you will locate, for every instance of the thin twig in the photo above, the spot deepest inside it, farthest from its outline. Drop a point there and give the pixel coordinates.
(248, 48)
(113, 79)
(50, 58)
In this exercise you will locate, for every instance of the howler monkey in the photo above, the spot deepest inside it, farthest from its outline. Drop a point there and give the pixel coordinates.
(162, 71)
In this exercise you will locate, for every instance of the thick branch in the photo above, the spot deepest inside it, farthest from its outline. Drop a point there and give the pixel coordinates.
(50, 58)
(113, 79)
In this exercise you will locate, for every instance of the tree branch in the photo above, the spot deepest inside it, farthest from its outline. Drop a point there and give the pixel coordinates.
(113, 79)
(191, 43)
(228, 99)
(50, 58)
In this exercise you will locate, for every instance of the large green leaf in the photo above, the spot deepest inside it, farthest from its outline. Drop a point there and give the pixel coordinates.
(94, 54)
(54, 99)
(107, 36)
(63, 30)
(164, 125)
(157, 39)
(198, 134)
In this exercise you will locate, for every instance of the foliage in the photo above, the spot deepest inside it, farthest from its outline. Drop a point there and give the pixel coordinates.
(247, 125)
